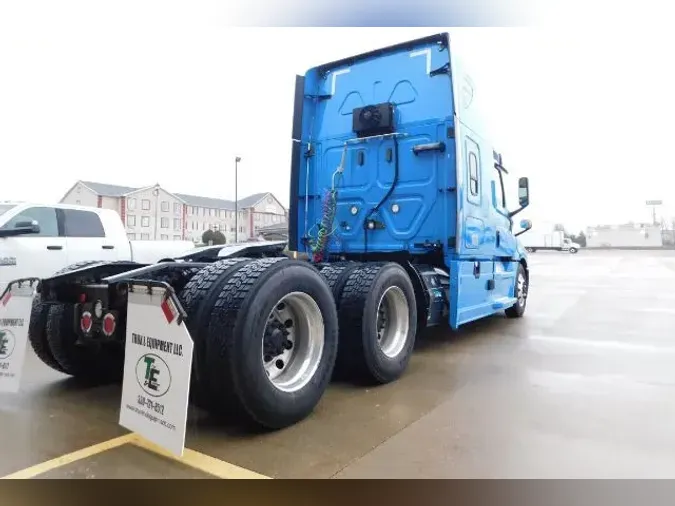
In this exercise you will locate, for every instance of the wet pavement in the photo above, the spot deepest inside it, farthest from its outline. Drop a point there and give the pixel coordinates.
(582, 386)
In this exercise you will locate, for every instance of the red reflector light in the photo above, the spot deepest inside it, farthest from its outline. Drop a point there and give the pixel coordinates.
(83, 298)
(86, 322)
(109, 324)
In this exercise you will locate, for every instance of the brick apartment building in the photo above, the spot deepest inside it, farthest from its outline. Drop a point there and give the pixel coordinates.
(153, 213)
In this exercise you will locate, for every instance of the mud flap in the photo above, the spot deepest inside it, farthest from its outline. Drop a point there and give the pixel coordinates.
(16, 303)
(157, 366)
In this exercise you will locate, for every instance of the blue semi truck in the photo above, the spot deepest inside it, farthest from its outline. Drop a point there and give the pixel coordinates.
(398, 202)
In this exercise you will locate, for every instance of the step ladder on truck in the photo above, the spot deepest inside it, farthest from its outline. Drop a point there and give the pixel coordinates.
(397, 202)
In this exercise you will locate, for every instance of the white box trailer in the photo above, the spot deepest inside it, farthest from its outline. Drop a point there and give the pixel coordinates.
(552, 241)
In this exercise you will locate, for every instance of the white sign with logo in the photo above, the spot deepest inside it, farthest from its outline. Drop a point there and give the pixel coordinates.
(157, 367)
(15, 309)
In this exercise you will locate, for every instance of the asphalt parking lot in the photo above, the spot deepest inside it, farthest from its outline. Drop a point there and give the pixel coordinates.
(582, 386)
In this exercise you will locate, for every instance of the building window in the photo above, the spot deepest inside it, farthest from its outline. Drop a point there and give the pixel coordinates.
(131, 237)
(131, 204)
(145, 237)
(222, 213)
(131, 220)
(176, 208)
(145, 205)
(164, 237)
(145, 221)
(241, 229)
(165, 206)
(176, 224)
(78, 202)
(177, 238)
(165, 223)
(194, 211)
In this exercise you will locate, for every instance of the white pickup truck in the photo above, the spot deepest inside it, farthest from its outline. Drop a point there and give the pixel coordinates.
(36, 240)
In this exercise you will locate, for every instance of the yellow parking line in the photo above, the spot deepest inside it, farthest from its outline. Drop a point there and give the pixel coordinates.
(202, 462)
(209, 465)
(90, 451)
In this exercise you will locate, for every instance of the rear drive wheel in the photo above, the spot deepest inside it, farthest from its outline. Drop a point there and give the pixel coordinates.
(272, 342)
(336, 275)
(522, 287)
(37, 334)
(101, 363)
(197, 299)
(37, 329)
(573, 250)
(378, 322)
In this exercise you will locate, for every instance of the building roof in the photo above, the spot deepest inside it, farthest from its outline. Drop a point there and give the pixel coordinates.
(111, 190)
(246, 202)
(194, 200)
(108, 190)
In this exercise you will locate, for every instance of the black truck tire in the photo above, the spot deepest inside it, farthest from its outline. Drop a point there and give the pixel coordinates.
(37, 334)
(197, 295)
(243, 332)
(336, 275)
(37, 329)
(521, 291)
(96, 364)
(368, 351)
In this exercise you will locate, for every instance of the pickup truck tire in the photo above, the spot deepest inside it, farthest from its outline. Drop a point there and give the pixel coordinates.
(521, 290)
(93, 364)
(37, 328)
(378, 323)
(260, 309)
(37, 334)
(197, 295)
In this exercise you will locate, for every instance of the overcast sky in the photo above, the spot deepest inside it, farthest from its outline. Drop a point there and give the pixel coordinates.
(154, 93)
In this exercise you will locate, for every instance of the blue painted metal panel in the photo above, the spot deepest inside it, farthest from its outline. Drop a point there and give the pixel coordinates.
(420, 208)
(452, 198)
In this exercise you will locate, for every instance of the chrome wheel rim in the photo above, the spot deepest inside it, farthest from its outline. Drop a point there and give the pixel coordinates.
(521, 289)
(393, 322)
(293, 342)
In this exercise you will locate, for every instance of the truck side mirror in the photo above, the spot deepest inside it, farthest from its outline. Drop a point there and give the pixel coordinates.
(525, 225)
(523, 192)
(28, 227)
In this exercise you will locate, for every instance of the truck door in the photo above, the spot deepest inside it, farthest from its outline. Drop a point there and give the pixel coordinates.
(505, 244)
(472, 265)
(85, 236)
(39, 254)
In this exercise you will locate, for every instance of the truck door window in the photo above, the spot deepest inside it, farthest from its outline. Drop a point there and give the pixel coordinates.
(45, 216)
(473, 168)
(473, 173)
(82, 224)
(499, 189)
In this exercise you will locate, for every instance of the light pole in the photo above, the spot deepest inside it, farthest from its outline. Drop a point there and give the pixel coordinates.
(236, 201)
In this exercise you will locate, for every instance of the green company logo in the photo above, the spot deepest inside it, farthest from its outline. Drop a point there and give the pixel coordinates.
(7, 343)
(153, 375)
